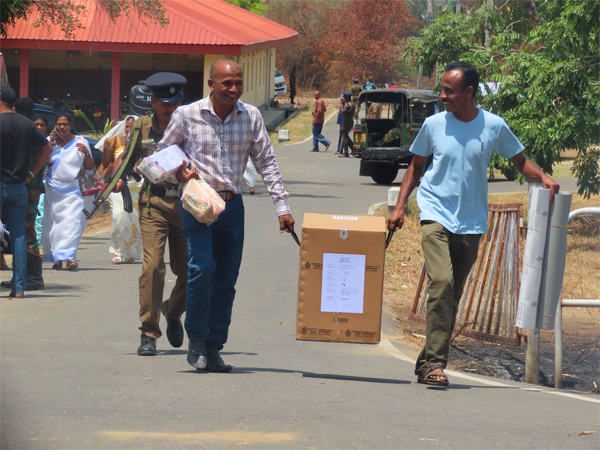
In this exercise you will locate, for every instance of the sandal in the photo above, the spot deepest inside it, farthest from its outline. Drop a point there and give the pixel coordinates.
(433, 379)
(131, 261)
(13, 295)
(116, 260)
(57, 265)
(72, 264)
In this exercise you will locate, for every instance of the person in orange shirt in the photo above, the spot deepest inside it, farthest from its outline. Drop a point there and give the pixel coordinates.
(317, 124)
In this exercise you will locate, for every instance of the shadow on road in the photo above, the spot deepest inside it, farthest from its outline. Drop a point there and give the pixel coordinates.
(326, 376)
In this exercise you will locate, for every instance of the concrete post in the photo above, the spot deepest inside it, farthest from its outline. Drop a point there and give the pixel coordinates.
(532, 357)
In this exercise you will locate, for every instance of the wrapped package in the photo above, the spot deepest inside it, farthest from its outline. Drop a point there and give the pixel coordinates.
(163, 165)
(202, 201)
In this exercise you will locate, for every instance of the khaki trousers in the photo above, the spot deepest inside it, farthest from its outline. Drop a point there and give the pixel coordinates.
(448, 261)
(161, 222)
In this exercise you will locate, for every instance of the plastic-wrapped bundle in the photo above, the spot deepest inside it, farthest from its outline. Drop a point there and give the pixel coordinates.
(202, 201)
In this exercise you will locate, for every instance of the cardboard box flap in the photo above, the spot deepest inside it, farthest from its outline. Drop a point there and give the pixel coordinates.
(346, 222)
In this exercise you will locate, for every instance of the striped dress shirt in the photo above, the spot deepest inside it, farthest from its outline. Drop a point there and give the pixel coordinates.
(219, 149)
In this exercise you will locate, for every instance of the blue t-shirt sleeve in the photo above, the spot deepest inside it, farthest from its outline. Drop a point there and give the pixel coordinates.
(422, 144)
(507, 144)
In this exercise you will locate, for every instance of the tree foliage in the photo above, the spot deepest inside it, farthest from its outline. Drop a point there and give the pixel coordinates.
(68, 14)
(545, 55)
(255, 6)
(309, 52)
(339, 39)
(365, 39)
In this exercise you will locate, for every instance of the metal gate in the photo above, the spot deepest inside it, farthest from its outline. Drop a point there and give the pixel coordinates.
(488, 305)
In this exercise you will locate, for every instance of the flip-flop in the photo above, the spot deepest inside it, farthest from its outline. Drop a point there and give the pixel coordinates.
(430, 378)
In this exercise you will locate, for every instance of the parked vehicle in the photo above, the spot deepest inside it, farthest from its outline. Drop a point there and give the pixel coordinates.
(381, 160)
(280, 86)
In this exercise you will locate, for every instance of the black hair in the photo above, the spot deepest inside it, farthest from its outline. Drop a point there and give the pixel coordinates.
(469, 74)
(40, 117)
(66, 114)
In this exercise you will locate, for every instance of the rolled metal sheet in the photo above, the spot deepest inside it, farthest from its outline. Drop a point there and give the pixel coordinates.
(553, 270)
(533, 259)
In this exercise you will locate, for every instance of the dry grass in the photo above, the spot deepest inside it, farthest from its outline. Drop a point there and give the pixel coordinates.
(300, 125)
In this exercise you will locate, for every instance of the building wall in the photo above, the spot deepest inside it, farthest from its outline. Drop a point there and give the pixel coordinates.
(87, 75)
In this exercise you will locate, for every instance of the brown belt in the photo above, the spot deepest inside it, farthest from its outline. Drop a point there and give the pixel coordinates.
(226, 195)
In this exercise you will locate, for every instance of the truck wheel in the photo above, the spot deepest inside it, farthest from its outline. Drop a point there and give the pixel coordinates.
(384, 174)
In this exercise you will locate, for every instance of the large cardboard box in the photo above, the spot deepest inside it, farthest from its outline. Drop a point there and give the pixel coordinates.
(340, 287)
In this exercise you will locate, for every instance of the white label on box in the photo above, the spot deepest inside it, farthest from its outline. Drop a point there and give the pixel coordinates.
(343, 284)
(344, 218)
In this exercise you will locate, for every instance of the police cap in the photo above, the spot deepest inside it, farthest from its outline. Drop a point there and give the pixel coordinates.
(355, 79)
(166, 86)
(347, 94)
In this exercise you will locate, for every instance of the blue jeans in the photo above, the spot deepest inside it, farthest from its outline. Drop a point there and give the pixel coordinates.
(12, 210)
(215, 256)
(318, 137)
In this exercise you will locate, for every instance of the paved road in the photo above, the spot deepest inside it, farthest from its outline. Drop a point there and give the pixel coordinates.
(71, 379)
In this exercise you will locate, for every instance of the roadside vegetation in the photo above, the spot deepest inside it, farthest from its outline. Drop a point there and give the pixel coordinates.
(581, 325)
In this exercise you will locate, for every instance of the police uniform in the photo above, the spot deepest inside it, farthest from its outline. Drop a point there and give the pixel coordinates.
(355, 91)
(347, 114)
(160, 220)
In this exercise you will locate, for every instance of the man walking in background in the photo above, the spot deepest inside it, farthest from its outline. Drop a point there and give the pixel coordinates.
(35, 188)
(19, 139)
(317, 124)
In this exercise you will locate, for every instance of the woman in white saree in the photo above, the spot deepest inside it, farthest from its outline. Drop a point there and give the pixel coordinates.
(126, 235)
(64, 220)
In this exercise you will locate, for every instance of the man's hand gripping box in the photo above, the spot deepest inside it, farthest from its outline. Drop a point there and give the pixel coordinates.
(340, 287)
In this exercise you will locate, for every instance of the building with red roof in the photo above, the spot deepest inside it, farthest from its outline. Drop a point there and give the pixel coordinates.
(106, 58)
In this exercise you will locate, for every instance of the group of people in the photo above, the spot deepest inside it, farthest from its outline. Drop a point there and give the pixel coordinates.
(206, 286)
(220, 133)
(347, 114)
(345, 120)
(26, 151)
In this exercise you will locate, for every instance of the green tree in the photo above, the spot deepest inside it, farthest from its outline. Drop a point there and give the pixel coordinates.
(545, 55)
(255, 6)
(68, 14)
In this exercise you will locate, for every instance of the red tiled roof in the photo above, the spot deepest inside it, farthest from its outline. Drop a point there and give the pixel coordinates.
(195, 27)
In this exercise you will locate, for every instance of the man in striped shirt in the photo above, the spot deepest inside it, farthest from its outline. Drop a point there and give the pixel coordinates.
(220, 133)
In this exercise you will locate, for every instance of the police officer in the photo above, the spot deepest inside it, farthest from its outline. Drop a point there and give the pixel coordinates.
(160, 220)
(355, 90)
(347, 113)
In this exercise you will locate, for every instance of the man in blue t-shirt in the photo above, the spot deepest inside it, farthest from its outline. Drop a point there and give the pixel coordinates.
(452, 198)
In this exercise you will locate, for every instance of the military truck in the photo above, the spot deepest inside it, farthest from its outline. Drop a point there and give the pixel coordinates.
(403, 109)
